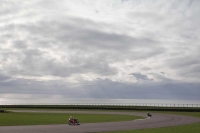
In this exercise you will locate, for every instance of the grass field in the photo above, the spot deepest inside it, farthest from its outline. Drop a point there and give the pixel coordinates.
(9, 119)
(105, 107)
(191, 128)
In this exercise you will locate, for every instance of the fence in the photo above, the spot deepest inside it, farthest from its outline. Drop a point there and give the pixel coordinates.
(111, 104)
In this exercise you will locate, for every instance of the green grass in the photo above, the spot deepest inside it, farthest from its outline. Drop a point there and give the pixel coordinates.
(10, 119)
(105, 107)
(191, 128)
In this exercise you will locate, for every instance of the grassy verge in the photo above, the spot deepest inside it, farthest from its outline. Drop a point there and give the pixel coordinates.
(191, 128)
(10, 119)
(105, 107)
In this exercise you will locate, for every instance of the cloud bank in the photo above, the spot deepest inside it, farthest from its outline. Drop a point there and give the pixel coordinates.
(100, 49)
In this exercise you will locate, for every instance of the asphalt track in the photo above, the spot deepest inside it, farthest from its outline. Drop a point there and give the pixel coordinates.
(158, 120)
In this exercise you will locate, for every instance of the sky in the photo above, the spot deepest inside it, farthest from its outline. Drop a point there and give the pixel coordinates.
(108, 49)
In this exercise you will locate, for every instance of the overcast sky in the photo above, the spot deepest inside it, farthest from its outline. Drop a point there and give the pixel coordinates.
(135, 49)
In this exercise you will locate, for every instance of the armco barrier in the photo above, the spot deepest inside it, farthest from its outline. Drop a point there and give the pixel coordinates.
(111, 104)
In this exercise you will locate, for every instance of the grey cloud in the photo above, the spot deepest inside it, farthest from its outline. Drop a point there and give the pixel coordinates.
(39, 89)
(163, 78)
(191, 72)
(185, 61)
(186, 66)
(102, 48)
(20, 44)
(34, 62)
(103, 89)
(144, 91)
(178, 20)
(140, 77)
(8, 7)
(148, 17)
(4, 77)
(76, 36)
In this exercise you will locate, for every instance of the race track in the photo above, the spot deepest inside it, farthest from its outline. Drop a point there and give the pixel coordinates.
(158, 120)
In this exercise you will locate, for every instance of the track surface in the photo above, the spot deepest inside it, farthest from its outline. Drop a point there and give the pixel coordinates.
(158, 120)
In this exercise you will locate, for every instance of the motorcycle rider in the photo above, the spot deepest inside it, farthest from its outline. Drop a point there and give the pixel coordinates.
(71, 119)
(148, 114)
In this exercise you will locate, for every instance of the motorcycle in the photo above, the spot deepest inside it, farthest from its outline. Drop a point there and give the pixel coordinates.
(73, 122)
(149, 115)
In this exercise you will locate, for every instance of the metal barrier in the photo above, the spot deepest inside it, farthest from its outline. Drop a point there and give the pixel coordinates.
(111, 104)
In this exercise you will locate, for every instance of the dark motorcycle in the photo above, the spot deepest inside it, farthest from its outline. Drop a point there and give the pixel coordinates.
(149, 115)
